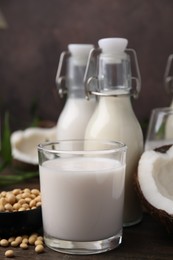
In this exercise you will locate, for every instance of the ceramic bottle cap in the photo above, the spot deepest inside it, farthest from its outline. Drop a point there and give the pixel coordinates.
(113, 45)
(80, 52)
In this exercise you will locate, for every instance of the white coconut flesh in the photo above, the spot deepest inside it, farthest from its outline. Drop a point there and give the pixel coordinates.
(155, 177)
(24, 143)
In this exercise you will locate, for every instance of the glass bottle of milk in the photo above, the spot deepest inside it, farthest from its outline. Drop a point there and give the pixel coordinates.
(77, 110)
(168, 80)
(114, 118)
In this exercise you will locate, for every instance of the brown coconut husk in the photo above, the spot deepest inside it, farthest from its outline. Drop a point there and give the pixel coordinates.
(158, 214)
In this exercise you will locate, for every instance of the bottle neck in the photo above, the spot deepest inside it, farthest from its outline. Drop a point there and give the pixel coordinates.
(114, 74)
(74, 79)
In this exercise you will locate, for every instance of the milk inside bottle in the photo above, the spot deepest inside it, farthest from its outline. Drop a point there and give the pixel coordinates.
(114, 118)
(77, 110)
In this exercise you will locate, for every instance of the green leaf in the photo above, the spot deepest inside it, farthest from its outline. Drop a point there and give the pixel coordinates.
(16, 177)
(5, 144)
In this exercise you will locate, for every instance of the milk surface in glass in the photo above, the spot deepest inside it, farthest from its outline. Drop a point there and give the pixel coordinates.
(82, 199)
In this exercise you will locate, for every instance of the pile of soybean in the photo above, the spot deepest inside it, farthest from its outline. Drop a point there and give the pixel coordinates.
(19, 200)
(23, 242)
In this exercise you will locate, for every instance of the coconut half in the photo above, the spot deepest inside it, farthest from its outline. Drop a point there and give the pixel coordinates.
(24, 145)
(155, 184)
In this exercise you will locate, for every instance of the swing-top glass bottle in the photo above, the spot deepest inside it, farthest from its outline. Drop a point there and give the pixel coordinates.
(114, 118)
(77, 110)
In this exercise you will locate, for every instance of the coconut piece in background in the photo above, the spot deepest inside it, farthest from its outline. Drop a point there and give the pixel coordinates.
(24, 145)
(154, 184)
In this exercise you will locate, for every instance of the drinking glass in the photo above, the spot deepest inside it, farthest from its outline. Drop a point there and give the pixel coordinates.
(160, 129)
(82, 189)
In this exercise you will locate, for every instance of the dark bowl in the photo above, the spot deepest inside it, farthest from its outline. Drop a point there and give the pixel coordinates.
(20, 222)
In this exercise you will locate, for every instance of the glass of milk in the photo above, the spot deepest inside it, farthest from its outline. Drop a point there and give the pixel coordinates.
(160, 128)
(82, 189)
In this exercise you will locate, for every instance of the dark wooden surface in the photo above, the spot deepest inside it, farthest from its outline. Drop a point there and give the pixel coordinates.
(147, 240)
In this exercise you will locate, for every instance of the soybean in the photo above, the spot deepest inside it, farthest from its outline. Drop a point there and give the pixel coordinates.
(24, 242)
(19, 200)
(9, 253)
(4, 242)
(39, 249)
(24, 245)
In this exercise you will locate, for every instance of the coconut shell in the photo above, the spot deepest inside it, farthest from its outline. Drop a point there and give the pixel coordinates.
(21, 164)
(160, 215)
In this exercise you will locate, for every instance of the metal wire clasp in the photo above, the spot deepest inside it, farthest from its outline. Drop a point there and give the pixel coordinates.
(61, 79)
(92, 61)
(168, 79)
(93, 56)
(137, 88)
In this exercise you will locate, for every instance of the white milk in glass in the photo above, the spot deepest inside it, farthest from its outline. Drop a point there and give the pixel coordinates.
(169, 124)
(160, 130)
(82, 199)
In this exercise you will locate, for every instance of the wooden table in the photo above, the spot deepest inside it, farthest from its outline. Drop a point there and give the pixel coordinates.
(147, 240)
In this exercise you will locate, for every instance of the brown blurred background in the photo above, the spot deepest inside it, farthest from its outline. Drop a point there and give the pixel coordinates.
(39, 30)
